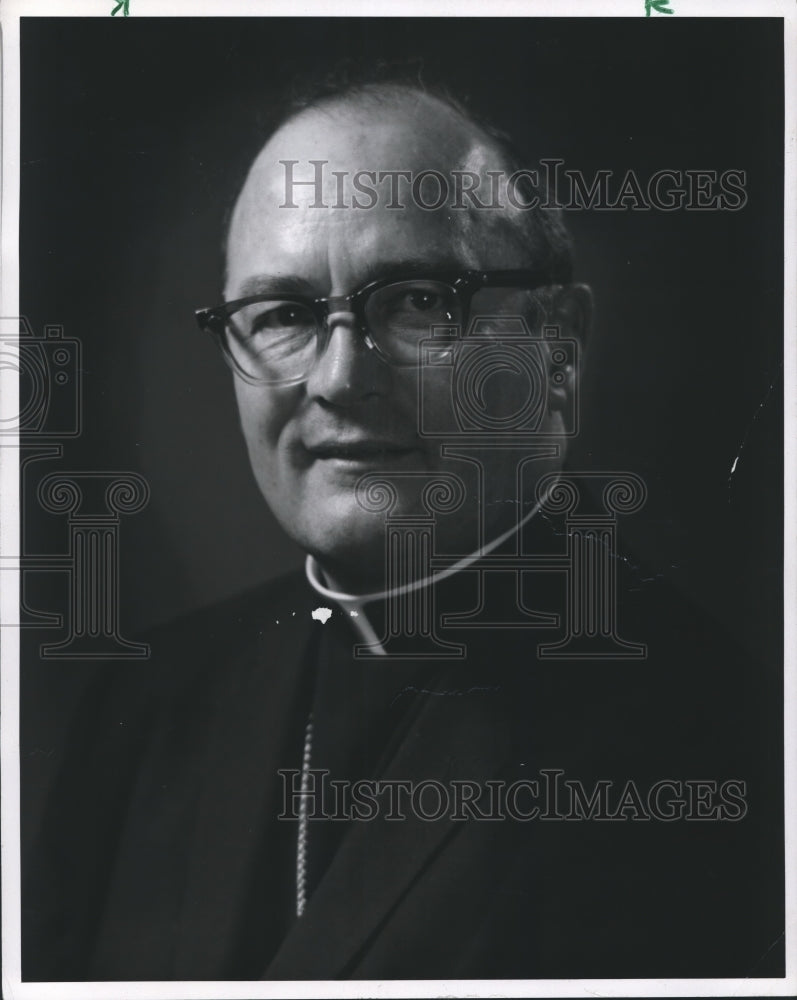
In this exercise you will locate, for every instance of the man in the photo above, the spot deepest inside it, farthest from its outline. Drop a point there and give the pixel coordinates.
(196, 847)
(355, 412)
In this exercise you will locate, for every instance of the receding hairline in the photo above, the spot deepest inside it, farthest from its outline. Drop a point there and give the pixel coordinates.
(379, 95)
(539, 229)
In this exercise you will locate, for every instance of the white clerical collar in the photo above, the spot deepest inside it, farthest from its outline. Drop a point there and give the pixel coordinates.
(354, 604)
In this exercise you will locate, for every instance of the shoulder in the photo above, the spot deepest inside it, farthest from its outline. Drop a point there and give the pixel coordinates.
(190, 659)
(142, 728)
(198, 651)
(237, 619)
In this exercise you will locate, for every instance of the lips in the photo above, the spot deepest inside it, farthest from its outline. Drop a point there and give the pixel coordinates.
(359, 450)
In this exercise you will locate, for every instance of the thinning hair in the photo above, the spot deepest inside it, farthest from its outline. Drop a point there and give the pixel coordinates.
(382, 84)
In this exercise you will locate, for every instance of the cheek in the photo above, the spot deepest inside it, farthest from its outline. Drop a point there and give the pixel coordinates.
(264, 414)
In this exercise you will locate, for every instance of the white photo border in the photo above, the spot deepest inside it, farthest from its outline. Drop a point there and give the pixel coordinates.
(12, 985)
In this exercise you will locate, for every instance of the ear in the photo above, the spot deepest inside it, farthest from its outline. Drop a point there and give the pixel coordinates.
(572, 313)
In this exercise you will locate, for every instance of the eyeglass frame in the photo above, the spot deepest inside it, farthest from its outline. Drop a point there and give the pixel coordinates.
(465, 284)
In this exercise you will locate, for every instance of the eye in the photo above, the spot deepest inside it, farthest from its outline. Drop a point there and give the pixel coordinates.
(423, 300)
(414, 299)
(281, 316)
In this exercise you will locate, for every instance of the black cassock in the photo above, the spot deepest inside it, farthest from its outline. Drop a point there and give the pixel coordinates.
(161, 854)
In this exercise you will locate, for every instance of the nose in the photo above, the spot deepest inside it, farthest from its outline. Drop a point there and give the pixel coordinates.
(347, 370)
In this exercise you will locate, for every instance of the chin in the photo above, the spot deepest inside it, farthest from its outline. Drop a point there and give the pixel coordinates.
(350, 549)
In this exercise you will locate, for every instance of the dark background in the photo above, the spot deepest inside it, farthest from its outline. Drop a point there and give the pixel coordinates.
(135, 136)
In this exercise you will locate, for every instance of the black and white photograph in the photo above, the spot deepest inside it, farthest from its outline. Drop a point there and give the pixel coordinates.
(395, 592)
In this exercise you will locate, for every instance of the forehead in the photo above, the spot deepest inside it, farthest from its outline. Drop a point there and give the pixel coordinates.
(313, 230)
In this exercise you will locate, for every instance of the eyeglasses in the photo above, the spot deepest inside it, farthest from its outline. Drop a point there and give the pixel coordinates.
(275, 339)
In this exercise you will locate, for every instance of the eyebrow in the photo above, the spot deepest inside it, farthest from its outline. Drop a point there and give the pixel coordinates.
(267, 284)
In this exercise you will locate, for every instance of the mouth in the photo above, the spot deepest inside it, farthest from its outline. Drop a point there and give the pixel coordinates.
(370, 453)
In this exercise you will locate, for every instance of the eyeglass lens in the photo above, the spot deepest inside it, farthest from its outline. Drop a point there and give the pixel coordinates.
(277, 340)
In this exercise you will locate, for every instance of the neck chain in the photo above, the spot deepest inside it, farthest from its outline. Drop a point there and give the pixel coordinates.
(301, 839)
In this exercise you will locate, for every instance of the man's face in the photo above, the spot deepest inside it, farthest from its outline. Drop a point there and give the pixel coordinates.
(354, 414)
